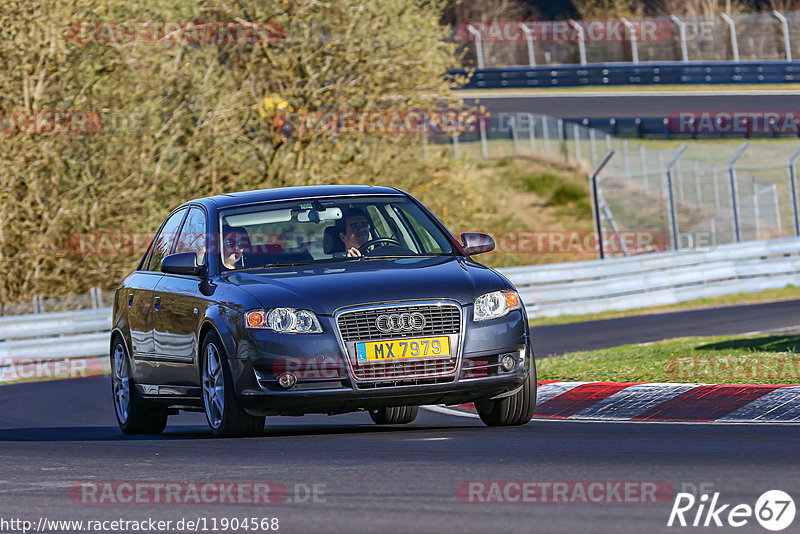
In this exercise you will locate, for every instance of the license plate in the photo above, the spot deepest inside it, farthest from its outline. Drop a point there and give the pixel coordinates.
(399, 349)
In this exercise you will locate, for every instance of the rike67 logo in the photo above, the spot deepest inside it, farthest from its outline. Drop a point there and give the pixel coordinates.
(774, 510)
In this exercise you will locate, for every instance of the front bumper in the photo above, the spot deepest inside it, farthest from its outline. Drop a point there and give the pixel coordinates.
(326, 385)
(257, 402)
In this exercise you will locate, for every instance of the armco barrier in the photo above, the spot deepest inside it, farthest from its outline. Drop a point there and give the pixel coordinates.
(38, 346)
(547, 290)
(670, 72)
(656, 279)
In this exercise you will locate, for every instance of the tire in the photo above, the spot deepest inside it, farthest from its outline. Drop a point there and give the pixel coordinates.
(396, 415)
(224, 414)
(514, 410)
(134, 415)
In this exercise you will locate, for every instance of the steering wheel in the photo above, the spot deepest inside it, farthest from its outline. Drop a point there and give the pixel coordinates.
(372, 242)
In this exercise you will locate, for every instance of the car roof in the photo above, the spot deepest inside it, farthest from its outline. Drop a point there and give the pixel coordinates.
(290, 193)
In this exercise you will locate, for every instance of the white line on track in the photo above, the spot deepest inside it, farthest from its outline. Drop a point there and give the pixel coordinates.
(449, 411)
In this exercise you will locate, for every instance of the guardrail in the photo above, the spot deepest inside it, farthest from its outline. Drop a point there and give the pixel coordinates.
(548, 290)
(668, 72)
(49, 345)
(656, 279)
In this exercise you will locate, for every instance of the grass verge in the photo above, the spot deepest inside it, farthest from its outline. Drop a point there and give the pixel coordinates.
(769, 295)
(762, 359)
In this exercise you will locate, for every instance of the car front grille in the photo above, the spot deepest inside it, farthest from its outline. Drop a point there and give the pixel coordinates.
(441, 319)
(359, 325)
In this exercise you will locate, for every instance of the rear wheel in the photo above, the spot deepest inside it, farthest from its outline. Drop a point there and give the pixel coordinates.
(396, 415)
(133, 413)
(224, 414)
(514, 410)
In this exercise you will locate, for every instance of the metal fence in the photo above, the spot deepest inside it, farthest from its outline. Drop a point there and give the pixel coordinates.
(658, 279)
(747, 36)
(669, 198)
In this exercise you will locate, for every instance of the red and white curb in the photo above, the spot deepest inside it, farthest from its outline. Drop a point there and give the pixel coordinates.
(663, 402)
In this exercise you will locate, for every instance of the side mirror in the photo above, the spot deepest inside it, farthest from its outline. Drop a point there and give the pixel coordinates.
(181, 263)
(476, 243)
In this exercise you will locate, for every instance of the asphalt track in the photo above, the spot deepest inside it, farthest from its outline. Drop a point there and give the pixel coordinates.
(630, 104)
(740, 319)
(397, 479)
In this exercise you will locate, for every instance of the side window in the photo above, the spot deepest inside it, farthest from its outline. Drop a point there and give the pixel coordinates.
(428, 242)
(193, 235)
(164, 241)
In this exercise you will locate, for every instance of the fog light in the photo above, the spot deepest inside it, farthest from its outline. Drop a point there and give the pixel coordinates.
(508, 362)
(287, 380)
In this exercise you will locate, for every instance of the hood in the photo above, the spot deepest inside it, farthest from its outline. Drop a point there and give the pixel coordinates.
(326, 287)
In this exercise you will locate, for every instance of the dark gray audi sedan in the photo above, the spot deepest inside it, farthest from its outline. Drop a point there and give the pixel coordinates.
(326, 299)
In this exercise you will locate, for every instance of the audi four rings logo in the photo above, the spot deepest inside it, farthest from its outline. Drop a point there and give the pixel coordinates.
(399, 322)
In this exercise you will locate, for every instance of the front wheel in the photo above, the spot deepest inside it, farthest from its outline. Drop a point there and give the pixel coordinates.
(396, 415)
(224, 414)
(514, 410)
(133, 414)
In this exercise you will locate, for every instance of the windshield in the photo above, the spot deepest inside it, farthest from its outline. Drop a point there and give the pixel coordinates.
(324, 230)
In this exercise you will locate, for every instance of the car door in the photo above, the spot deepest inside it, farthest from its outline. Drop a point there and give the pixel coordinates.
(142, 304)
(177, 318)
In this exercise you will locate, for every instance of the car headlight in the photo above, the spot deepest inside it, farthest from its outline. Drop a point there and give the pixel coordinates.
(284, 320)
(495, 304)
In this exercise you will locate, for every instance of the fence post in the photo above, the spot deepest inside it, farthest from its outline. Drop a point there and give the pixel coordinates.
(515, 135)
(716, 188)
(734, 42)
(37, 304)
(634, 44)
(785, 28)
(596, 204)
(697, 189)
(682, 33)
(737, 230)
(576, 136)
(562, 140)
(643, 162)
(581, 40)
(529, 39)
(456, 151)
(96, 296)
(777, 207)
(756, 215)
(531, 132)
(793, 189)
(484, 143)
(546, 133)
(672, 214)
(592, 142)
(478, 45)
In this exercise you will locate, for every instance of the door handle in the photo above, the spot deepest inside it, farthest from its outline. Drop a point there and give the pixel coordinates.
(158, 303)
(130, 299)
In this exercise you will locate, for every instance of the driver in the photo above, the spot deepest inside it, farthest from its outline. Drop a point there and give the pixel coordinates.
(354, 230)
